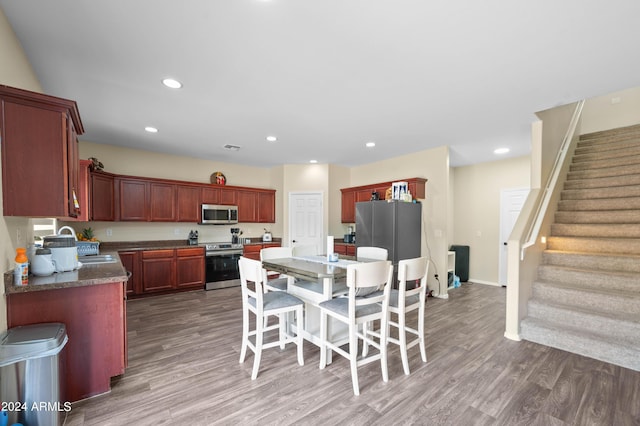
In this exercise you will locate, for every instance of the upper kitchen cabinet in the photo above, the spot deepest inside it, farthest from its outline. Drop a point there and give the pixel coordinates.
(102, 197)
(256, 205)
(188, 204)
(356, 194)
(40, 164)
(145, 200)
(267, 206)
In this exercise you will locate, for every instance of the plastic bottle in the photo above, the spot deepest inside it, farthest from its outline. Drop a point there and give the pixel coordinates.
(22, 267)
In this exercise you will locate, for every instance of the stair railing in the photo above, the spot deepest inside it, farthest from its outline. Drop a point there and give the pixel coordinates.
(534, 228)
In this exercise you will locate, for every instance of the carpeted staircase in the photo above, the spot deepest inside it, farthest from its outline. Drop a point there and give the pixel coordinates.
(586, 299)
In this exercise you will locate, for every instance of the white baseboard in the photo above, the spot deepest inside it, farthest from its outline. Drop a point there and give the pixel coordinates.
(511, 336)
(472, 280)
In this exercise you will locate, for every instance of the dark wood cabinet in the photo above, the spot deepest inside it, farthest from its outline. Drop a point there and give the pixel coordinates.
(131, 199)
(267, 206)
(247, 206)
(252, 251)
(353, 195)
(162, 202)
(190, 267)
(228, 197)
(210, 195)
(344, 249)
(158, 270)
(101, 195)
(131, 262)
(188, 203)
(39, 154)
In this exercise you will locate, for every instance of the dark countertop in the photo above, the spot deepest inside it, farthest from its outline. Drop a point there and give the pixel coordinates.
(166, 244)
(87, 275)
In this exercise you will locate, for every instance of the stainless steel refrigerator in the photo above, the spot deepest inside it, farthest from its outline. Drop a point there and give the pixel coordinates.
(396, 226)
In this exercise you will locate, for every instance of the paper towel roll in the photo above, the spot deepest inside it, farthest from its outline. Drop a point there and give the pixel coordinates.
(329, 246)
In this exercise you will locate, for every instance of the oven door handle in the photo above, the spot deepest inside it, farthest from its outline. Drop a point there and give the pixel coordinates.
(222, 253)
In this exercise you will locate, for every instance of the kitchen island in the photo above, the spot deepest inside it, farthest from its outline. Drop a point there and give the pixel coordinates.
(90, 301)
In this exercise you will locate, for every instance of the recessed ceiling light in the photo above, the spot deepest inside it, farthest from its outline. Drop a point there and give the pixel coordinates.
(313, 161)
(151, 129)
(172, 83)
(370, 144)
(272, 138)
(501, 151)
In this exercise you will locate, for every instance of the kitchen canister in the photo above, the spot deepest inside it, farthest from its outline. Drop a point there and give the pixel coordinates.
(42, 263)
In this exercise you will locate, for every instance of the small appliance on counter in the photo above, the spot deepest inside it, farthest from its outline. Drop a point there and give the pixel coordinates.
(193, 238)
(266, 237)
(64, 251)
(235, 235)
(350, 237)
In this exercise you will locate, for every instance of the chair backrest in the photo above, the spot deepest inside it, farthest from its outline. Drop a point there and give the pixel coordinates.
(305, 250)
(367, 278)
(251, 271)
(275, 253)
(377, 253)
(416, 269)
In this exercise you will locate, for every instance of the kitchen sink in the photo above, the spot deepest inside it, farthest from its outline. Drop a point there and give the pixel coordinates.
(99, 258)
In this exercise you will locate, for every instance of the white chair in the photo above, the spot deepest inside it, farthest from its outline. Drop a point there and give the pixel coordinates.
(263, 305)
(376, 253)
(305, 250)
(275, 282)
(403, 300)
(355, 310)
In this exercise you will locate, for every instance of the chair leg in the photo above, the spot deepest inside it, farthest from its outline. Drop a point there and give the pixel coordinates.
(402, 338)
(299, 341)
(423, 351)
(353, 357)
(384, 330)
(282, 333)
(365, 344)
(245, 334)
(258, 354)
(323, 340)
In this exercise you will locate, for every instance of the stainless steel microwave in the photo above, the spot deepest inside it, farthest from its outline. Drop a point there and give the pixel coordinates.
(219, 215)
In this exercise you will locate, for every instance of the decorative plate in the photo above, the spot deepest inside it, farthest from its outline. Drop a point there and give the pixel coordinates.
(218, 178)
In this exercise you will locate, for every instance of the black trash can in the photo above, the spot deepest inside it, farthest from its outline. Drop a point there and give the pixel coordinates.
(462, 262)
(30, 374)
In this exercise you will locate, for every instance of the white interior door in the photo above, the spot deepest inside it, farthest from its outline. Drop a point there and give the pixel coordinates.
(306, 220)
(511, 201)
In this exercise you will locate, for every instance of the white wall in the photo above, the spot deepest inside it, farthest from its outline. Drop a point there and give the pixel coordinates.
(15, 71)
(476, 215)
(617, 109)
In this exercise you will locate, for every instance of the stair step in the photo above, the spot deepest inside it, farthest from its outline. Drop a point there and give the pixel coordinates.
(587, 298)
(598, 217)
(603, 146)
(609, 246)
(587, 155)
(586, 343)
(593, 261)
(597, 193)
(619, 325)
(615, 133)
(602, 163)
(628, 282)
(621, 203)
(618, 230)
(602, 182)
(629, 169)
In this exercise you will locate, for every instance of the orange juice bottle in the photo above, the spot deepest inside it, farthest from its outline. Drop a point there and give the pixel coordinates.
(22, 267)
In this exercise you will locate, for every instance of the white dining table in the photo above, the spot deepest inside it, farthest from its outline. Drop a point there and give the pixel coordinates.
(313, 279)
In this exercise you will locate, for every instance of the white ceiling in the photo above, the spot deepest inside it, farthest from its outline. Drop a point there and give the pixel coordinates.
(325, 76)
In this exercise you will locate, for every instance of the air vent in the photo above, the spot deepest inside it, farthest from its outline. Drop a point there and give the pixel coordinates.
(232, 147)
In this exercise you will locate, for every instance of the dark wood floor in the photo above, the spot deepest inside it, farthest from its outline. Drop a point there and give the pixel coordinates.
(183, 369)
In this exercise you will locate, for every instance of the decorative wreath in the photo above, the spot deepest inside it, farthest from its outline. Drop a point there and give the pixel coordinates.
(218, 178)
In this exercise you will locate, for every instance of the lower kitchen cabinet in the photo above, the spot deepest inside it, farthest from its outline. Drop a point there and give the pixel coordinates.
(252, 251)
(190, 267)
(158, 270)
(131, 262)
(345, 249)
(164, 270)
(95, 318)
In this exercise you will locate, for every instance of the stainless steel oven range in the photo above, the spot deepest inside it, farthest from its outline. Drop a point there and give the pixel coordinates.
(221, 265)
